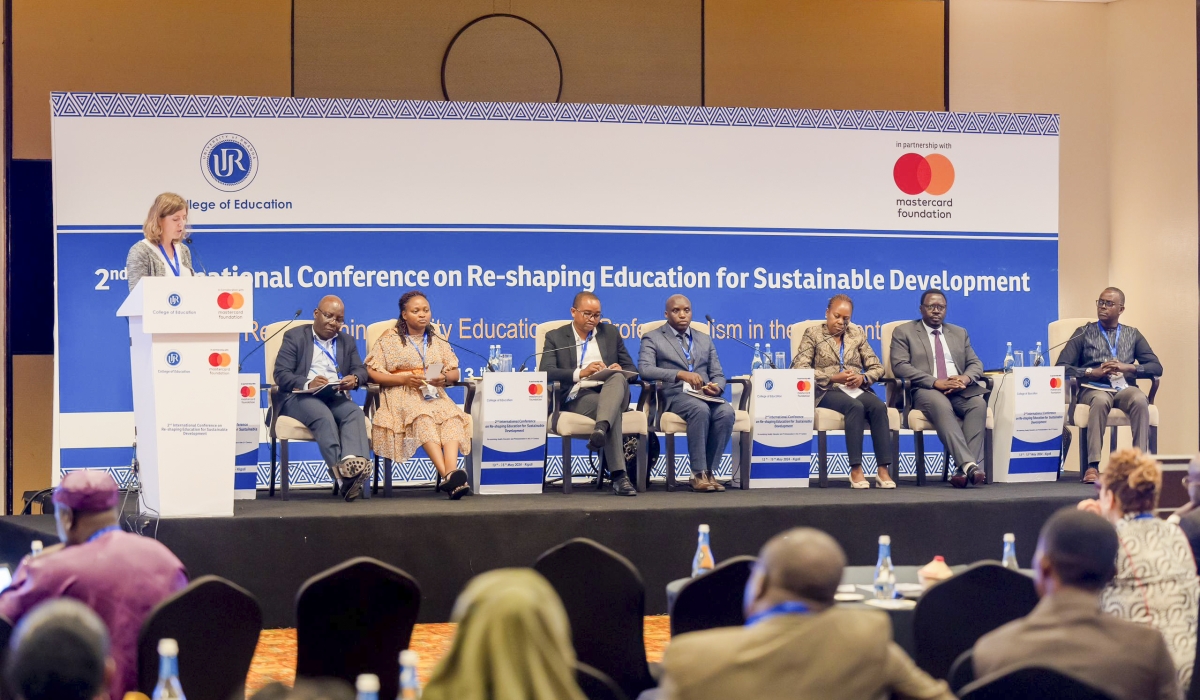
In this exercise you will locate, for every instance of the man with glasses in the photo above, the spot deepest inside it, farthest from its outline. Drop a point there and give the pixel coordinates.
(575, 352)
(1102, 355)
(316, 366)
(943, 373)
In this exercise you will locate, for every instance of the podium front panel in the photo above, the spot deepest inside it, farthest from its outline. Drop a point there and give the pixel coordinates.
(194, 304)
(513, 445)
(782, 407)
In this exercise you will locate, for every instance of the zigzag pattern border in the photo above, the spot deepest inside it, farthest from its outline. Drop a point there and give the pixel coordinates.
(132, 105)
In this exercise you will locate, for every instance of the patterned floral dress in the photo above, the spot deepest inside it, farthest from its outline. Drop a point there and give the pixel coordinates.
(1156, 585)
(405, 420)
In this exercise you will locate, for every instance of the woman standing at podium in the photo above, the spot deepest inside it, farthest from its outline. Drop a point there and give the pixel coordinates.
(161, 253)
(414, 410)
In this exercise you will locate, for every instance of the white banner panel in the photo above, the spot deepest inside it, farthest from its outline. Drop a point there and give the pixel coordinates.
(783, 428)
(514, 432)
(1039, 409)
(249, 420)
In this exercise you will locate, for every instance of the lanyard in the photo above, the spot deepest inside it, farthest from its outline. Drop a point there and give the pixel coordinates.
(1143, 516)
(790, 607)
(326, 353)
(842, 353)
(687, 352)
(1113, 342)
(173, 265)
(583, 350)
(103, 531)
(423, 349)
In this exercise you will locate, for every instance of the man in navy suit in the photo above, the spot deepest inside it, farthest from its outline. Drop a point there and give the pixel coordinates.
(677, 356)
(322, 355)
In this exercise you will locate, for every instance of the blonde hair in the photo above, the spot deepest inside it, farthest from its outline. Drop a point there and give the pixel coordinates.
(1134, 479)
(165, 204)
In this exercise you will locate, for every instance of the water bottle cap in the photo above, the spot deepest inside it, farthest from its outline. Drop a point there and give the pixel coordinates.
(704, 529)
(367, 683)
(36, 544)
(408, 657)
(1010, 537)
(884, 539)
(168, 647)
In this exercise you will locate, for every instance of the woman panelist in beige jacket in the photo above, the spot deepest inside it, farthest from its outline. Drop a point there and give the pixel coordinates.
(845, 367)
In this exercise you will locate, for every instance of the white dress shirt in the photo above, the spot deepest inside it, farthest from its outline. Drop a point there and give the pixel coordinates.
(592, 355)
(321, 366)
(951, 370)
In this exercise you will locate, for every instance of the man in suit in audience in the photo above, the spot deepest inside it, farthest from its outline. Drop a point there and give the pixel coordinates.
(1075, 559)
(323, 355)
(1108, 358)
(575, 352)
(943, 372)
(796, 643)
(60, 652)
(679, 357)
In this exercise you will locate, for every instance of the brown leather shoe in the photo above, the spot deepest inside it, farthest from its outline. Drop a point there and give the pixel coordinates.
(976, 475)
(1091, 476)
(713, 480)
(701, 484)
(958, 479)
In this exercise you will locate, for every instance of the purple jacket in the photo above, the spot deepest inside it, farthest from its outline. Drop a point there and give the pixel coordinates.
(119, 575)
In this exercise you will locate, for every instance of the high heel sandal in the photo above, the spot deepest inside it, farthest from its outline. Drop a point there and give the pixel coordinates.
(455, 484)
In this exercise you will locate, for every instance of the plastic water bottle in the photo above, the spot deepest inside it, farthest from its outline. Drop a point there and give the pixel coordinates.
(168, 687)
(885, 574)
(1038, 359)
(1010, 552)
(35, 548)
(757, 362)
(767, 361)
(410, 685)
(367, 686)
(703, 561)
(492, 361)
(1009, 361)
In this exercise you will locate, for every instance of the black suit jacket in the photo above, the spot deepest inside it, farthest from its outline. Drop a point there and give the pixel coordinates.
(560, 364)
(295, 359)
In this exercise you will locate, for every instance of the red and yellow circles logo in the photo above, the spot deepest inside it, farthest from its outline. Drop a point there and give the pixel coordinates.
(219, 359)
(932, 174)
(1055, 382)
(803, 385)
(247, 391)
(536, 389)
(230, 300)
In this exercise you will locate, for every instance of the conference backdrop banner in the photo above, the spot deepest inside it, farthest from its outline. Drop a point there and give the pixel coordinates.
(501, 212)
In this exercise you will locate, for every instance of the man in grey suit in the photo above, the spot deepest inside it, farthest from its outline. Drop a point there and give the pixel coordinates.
(325, 358)
(1068, 631)
(676, 356)
(943, 372)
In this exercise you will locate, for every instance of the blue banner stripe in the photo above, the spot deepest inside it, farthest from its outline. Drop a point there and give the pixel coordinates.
(85, 457)
(537, 454)
(780, 470)
(1054, 443)
(804, 448)
(1033, 465)
(520, 475)
(247, 459)
(245, 481)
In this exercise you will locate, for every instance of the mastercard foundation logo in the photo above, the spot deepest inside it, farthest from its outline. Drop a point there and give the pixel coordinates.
(803, 385)
(230, 300)
(1055, 382)
(932, 174)
(536, 389)
(219, 359)
(248, 391)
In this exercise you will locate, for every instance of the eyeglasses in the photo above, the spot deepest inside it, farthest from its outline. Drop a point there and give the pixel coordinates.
(1106, 304)
(330, 317)
(589, 315)
(936, 307)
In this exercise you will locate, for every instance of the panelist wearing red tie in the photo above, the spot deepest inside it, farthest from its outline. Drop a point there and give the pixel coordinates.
(162, 252)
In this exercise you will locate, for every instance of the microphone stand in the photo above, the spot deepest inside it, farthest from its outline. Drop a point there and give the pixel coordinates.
(188, 242)
(266, 340)
(464, 349)
(770, 361)
(539, 354)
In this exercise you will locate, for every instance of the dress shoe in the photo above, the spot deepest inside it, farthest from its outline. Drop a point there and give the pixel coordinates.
(958, 479)
(701, 484)
(596, 441)
(1091, 476)
(975, 475)
(622, 486)
(354, 488)
(864, 484)
(713, 480)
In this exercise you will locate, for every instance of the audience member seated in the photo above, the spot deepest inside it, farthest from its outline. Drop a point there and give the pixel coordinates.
(1075, 559)
(513, 641)
(306, 689)
(1156, 581)
(1188, 517)
(119, 575)
(60, 652)
(795, 643)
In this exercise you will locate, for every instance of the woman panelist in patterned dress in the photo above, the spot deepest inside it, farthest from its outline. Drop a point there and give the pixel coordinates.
(1156, 581)
(414, 410)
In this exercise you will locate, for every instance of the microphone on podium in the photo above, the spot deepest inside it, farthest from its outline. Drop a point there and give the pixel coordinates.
(539, 354)
(188, 242)
(464, 349)
(267, 339)
(770, 360)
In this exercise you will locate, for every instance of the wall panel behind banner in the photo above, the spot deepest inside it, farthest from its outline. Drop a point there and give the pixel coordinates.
(503, 212)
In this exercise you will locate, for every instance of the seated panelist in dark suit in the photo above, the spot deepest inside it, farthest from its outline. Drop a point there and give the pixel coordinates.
(676, 356)
(577, 351)
(315, 356)
(944, 372)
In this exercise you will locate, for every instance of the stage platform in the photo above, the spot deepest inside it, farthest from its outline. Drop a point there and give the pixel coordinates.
(271, 546)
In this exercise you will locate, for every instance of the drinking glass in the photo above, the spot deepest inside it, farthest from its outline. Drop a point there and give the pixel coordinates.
(506, 363)
(781, 360)
(1036, 359)
(1018, 358)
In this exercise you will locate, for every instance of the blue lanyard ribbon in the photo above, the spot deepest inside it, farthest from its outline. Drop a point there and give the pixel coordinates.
(173, 265)
(1143, 516)
(1112, 342)
(422, 350)
(104, 531)
(790, 607)
(332, 357)
(583, 350)
(842, 353)
(687, 352)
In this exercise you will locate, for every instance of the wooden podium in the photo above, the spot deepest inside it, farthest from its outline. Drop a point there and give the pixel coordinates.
(183, 338)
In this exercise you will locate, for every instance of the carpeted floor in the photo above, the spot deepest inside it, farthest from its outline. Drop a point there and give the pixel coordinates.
(275, 657)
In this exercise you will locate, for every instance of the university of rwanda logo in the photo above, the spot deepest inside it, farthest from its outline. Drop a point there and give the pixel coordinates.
(499, 388)
(229, 162)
